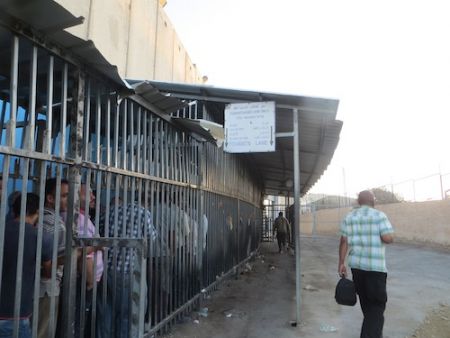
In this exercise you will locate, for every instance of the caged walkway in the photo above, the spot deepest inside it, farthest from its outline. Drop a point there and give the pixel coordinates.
(261, 301)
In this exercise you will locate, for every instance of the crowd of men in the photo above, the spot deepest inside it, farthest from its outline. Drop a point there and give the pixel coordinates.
(21, 244)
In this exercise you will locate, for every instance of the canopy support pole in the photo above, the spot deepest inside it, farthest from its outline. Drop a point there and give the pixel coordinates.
(298, 274)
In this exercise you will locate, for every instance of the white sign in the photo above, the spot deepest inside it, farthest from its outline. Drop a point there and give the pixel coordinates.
(250, 127)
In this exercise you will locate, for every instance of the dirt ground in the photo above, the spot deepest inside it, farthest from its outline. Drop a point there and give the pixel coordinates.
(436, 324)
(261, 301)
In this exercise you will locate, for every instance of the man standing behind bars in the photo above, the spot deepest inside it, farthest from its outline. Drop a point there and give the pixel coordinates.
(9, 271)
(51, 222)
(366, 231)
(125, 221)
(283, 229)
(86, 229)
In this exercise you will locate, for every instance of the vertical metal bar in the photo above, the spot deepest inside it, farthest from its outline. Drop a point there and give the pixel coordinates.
(177, 156)
(115, 249)
(20, 253)
(181, 157)
(39, 250)
(158, 251)
(160, 255)
(149, 191)
(172, 154)
(87, 121)
(186, 162)
(48, 132)
(138, 141)
(145, 141)
(190, 211)
(151, 145)
(171, 231)
(124, 134)
(97, 223)
(76, 137)
(176, 240)
(166, 222)
(116, 134)
(83, 232)
(131, 219)
(4, 196)
(132, 138)
(180, 245)
(2, 119)
(158, 136)
(217, 236)
(238, 251)
(296, 160)
(55, 250)
(108, 134)
(63, 115)
(141, 259)
(166, 149)
(32, 106)
(105, 285)
(162, 152)
(201, 211)
(11, 127)
(98, 115)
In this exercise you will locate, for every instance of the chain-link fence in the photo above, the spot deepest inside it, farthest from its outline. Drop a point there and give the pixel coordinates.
(428, 188)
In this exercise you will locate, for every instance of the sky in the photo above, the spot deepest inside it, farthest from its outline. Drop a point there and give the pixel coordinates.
(387, 61)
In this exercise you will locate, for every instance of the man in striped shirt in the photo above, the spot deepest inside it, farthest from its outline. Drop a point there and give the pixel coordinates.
(52, 223)
(364, 233)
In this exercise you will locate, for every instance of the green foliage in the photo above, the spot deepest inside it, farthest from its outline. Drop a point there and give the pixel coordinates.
(383, 196)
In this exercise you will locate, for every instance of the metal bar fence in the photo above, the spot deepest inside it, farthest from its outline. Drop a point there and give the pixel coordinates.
(141, 218)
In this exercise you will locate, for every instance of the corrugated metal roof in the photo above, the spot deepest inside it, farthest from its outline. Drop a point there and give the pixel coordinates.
(165, 102)
(319, 132)
(209, 131)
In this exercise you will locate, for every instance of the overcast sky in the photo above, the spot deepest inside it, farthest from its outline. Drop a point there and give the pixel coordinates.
(387, 61)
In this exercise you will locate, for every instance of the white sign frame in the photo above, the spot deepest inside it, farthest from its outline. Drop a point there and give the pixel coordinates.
(250, 127)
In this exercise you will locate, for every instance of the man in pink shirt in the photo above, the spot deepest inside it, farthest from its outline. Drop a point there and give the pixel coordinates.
(94, 255)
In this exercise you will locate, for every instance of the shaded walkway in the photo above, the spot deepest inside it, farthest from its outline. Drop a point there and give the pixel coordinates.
(261, 302)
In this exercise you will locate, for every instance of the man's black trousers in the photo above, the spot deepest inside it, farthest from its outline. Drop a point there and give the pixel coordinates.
(281, 238)
(371, 289)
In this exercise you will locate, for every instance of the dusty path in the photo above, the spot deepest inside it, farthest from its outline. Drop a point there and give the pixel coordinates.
(262, 301)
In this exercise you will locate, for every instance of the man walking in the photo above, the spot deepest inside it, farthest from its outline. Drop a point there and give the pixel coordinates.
(364, 233)
(283, 229)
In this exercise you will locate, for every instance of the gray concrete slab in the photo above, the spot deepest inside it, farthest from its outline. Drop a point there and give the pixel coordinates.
(261, 302)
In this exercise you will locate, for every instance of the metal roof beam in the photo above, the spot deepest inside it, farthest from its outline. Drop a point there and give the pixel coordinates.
(234, 100)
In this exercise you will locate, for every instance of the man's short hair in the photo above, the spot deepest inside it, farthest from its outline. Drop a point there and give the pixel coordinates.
(50, 186)
(31, 205)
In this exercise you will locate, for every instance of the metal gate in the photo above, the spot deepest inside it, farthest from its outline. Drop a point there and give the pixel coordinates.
(270, 213)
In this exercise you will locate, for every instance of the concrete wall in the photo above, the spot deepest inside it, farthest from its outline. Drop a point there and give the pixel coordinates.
(136, 36)
(422, 222)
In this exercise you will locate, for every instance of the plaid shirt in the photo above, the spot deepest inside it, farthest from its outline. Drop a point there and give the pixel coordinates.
(363, 227)
(138, 224)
